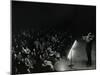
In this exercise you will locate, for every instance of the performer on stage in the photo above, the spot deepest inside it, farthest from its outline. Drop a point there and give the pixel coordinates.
(89, 40)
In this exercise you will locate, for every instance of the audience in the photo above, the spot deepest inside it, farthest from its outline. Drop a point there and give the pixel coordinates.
(33, 52)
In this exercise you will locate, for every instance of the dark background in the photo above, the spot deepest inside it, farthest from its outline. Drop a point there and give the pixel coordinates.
(75, 19)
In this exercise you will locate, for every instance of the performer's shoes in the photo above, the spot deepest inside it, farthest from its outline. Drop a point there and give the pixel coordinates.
(89, 64)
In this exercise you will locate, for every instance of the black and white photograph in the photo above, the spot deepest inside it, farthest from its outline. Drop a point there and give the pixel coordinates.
(52, 37)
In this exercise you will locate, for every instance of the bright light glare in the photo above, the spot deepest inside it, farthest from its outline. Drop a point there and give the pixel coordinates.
(72, 51)
(61, 65)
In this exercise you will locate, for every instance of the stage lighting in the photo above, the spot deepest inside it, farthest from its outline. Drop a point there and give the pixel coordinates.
(61, 65)
(72, 51)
